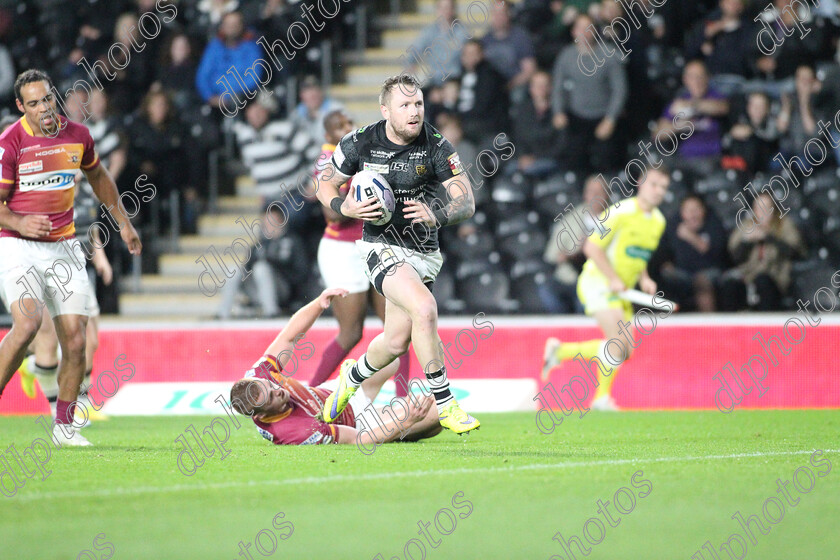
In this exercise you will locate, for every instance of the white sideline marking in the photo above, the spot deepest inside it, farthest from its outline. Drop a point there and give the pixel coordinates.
(108, 492)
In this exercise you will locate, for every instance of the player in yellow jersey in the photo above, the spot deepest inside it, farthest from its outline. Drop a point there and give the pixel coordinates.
(617, 259)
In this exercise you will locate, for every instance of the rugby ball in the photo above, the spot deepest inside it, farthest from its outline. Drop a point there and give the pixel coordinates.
(370, 184)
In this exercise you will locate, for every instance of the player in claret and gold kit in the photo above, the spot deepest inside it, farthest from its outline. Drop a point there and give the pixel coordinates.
(43, 264)
(616, 261)
(286, 412)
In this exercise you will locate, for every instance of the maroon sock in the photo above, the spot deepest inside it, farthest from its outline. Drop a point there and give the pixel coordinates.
(401, 377)
(330, 359)
(64, 411)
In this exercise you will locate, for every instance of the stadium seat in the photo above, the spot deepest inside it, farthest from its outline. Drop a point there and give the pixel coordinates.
(472, 246)
(728, 179)
(810, 276)
(478, 265)
(444, 291)
(824, 202)
(488, 292)
(821, 180)
(722, 205)
(554, 204)
(525, 291)
(515, 224)
(808, 223)
(524, 244)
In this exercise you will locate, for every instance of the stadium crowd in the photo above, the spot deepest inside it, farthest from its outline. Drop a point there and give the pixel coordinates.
(751, 113)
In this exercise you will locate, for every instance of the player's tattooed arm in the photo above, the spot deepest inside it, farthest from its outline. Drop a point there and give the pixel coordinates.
(461, 205)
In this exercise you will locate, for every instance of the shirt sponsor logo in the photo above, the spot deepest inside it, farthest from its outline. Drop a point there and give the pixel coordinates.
(2, 151)
(382, 154)
(455, 164)
(31, 167)
(441, 142)
(315, 439)
(417, 155)
(48, 182)
(638, 252)
(59, 150)
(380, 168)
(399, 166)
(266, 434)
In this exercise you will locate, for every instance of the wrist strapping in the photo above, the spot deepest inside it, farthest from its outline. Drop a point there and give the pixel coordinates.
(335, 204)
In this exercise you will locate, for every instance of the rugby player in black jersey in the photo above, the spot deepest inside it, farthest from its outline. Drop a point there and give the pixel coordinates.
(402, 258)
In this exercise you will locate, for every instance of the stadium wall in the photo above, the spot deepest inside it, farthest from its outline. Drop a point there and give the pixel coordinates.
(673, 368)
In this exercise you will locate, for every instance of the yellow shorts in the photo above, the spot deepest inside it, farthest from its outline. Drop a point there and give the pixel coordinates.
(595, 295)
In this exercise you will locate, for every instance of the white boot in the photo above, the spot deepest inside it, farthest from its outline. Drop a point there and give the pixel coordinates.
(66, 434)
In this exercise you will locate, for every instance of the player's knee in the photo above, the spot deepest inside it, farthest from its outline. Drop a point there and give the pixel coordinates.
(425, 310)
(27, 327)
(350, 336)
(74, 344)
(398, 345)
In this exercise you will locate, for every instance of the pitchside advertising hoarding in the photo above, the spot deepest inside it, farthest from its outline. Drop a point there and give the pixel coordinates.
(182, 369)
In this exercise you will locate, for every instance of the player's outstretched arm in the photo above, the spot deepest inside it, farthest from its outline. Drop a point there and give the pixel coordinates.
(106, 191)
(417, 413)
(299, 323)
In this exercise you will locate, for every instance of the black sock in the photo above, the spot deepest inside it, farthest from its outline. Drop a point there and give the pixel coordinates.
(440, 387)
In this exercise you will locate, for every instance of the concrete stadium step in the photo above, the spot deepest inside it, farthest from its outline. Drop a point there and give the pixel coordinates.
(217, 225)
(427, 7)
(239, 204)
(182, 305)
(246, 186)
(198, 244)
(399, 39)
(371, 56)
(372, 75)
(184, 265)
(166, 285)
(364, 112)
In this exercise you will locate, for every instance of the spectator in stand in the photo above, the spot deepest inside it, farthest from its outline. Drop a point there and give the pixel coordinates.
(508, 48)
(704, 108)
(436, 51)
(786, 54)
(177, 70)
(233, 47)
(723, 40)
(205, 15)
(313, 107)
(538, 143)
(694, 253)
(128, 85)
(107, 133)
(559, 293)
(482, 100)
(645, 107)
(587, 106)
(276, 274)
(755, 136)
(449, 126)
(763, 257)
(801, 112)
(159, 148)
(274, 151)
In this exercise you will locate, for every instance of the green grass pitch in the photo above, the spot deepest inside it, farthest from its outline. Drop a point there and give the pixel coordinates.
(523, 488)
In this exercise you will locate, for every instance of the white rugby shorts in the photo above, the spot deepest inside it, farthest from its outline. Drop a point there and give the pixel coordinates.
(340, 266)
(46, 272)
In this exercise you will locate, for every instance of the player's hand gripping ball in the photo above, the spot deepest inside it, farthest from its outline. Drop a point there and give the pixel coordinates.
(373, 185)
